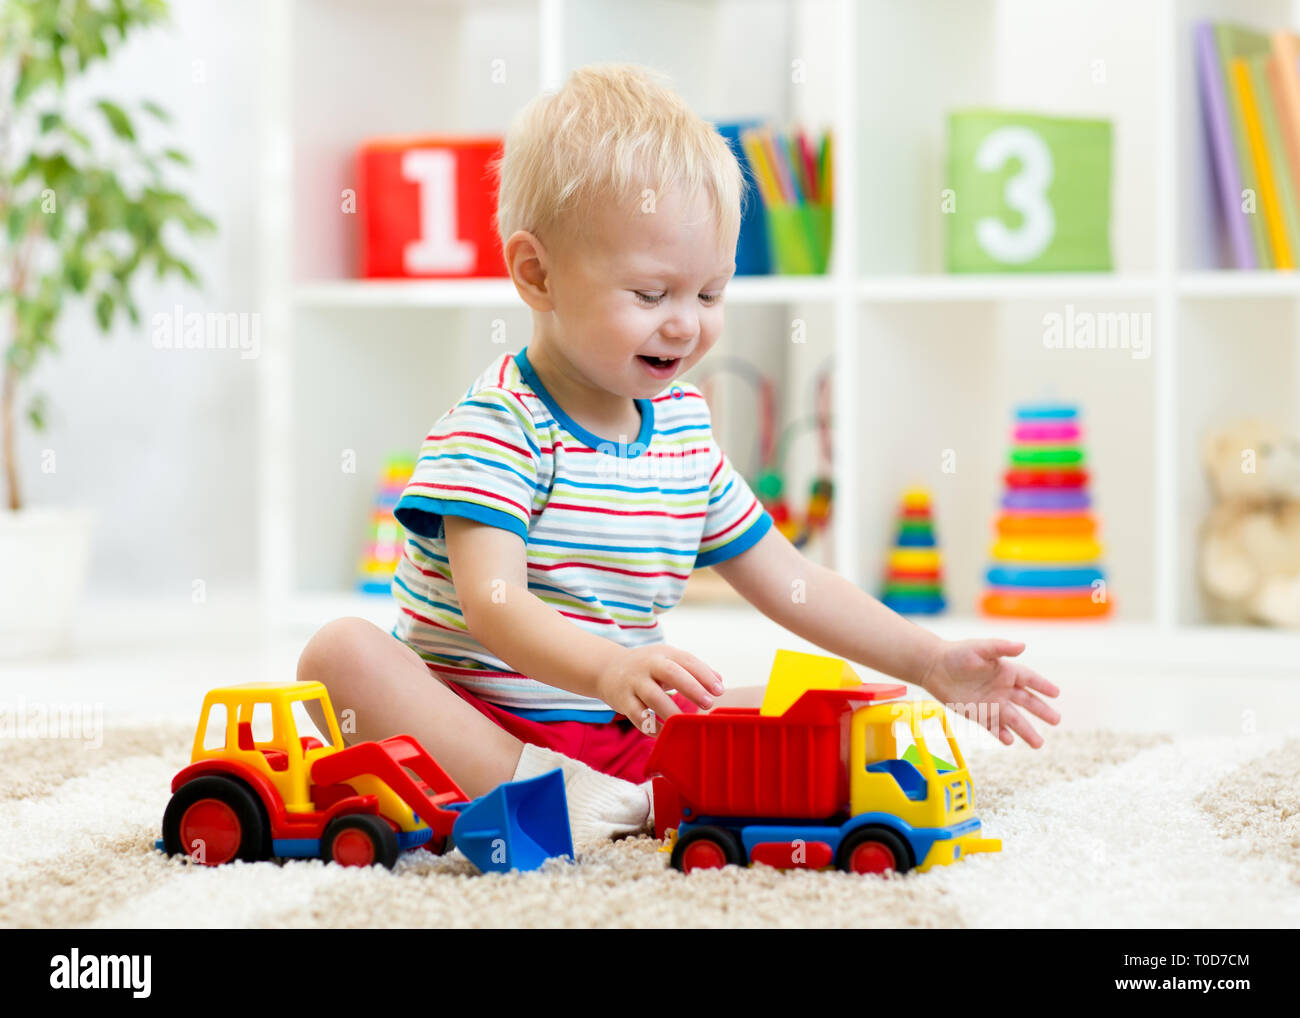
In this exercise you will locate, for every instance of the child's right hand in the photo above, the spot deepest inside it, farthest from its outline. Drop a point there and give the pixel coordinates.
(637, 681)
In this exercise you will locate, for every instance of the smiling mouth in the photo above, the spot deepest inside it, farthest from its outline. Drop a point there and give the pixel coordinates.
(659, 362)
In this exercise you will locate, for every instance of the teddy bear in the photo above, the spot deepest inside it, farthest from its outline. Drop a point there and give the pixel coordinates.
(1250, 544)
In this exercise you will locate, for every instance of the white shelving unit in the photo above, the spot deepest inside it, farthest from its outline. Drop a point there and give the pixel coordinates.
(925, 362)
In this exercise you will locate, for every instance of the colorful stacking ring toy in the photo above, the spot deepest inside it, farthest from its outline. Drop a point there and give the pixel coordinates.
(921, 604)
(1031, 524)
(1056, 433)
(1043, 606)
(1046, 456)
(913, 581)
(1045, 558)
(912, 560)
(1039, 498)
(1009, 576)
(1046, 549)
(1021, 478)
(1046, 412)
(913, 536)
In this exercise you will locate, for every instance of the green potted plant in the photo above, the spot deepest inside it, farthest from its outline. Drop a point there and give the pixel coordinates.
(86, 209)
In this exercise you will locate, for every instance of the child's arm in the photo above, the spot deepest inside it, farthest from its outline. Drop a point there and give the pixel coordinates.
(489, 567)
(824, 608)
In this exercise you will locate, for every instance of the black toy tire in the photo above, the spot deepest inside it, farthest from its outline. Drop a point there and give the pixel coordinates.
(728, 846)
(254, 843)
(881, 836)
(383, 839)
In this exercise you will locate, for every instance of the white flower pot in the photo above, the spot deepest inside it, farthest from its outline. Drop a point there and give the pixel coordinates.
(44, 555)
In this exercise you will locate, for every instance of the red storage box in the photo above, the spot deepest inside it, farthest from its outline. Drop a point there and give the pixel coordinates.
(427, 204)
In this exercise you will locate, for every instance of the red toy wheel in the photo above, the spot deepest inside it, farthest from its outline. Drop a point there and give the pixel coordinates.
(352, 848)
(214, 819)
(703, 855)
(212, 824)
(871, 857)
(707, 848)
(873, 850)
(359, 840)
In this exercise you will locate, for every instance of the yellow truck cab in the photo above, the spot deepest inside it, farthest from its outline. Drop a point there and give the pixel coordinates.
(894, 770)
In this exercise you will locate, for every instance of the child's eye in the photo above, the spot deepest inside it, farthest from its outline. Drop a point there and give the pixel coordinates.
(651, 299)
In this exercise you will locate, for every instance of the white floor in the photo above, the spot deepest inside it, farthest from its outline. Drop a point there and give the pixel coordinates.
(144, 660)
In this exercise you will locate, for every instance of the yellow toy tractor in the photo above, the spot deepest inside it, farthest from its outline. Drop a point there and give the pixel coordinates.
(290, 795)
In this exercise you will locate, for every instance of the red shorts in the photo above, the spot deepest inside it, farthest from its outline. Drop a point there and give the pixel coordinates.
(615, 747)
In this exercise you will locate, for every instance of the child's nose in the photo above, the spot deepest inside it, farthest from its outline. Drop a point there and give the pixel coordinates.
(681, 324)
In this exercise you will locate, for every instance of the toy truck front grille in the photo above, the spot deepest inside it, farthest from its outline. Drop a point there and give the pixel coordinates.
(958, 795)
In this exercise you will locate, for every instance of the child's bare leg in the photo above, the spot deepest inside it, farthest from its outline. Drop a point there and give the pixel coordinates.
(390, 691)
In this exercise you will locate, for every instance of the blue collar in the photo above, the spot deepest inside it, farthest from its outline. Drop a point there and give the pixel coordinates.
(632, 451)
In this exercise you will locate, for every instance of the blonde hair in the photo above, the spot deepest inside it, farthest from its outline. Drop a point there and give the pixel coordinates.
(612, 131)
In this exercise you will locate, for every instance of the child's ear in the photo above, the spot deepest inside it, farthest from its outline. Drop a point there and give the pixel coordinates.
(528, 261)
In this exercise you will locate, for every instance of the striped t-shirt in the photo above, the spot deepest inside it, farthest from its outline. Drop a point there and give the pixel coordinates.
(612, 529)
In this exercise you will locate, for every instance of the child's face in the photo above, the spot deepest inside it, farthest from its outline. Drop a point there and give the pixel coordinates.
(648, 283)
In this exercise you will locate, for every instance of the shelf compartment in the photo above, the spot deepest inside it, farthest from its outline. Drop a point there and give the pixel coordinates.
(943, 420)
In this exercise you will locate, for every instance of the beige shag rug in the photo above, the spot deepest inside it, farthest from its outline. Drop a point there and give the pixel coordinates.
(1098, 830)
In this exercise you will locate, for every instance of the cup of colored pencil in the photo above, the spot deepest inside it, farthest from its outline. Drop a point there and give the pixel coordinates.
(794, 176)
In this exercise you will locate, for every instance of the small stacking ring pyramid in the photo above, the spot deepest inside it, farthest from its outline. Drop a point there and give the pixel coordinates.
(914, 577)
(1046, 560)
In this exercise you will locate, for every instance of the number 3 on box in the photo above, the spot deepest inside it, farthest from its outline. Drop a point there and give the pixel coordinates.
(1025, 193)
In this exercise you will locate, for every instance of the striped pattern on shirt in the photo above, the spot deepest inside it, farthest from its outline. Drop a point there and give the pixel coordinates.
(612, 528)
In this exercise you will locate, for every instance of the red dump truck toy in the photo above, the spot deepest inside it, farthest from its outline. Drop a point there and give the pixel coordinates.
(829, 771)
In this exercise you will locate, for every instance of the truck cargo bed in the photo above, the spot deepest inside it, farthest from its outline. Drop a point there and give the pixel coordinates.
(739, 762)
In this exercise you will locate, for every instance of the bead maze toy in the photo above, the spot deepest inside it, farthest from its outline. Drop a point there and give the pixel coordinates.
(292, 796)
(828, 771)
(914, 575)
(801, 528)
(767, 477)
(1046, 559)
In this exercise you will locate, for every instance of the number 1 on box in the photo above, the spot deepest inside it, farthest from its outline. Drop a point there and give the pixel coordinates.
(438, 249)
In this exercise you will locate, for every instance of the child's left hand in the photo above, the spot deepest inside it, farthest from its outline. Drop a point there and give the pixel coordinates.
(976, 672)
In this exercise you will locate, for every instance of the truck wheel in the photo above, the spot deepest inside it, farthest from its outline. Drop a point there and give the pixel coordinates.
(707, 848)
(214, 820)
(873, 850)
(359, 840)
(436, 844)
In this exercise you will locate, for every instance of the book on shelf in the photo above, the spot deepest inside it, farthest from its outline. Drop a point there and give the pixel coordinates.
(1284, 81)
(1218, 126)
(1233, 41)
(1274, 157)
(752, 258)
(1270, 209)
(1249, 85)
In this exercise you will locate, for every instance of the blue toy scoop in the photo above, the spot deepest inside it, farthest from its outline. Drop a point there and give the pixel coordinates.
(516, 826)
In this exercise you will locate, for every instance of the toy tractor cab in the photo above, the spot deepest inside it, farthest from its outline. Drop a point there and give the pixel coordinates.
(283, 755)
(257, 788)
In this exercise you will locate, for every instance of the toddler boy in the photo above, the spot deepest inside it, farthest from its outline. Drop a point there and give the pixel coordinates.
(557, 510)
